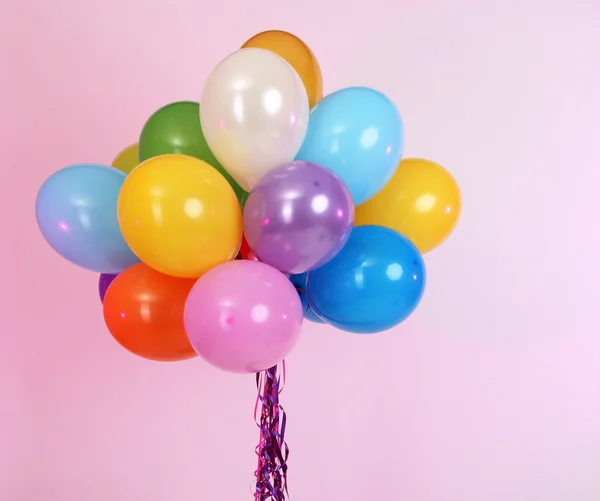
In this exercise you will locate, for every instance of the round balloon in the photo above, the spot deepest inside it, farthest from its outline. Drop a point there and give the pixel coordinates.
(373, 284)
(422, 201)
(243, 316)
(76, 211)
(104, 281)
(246, 251)
(358, 133)
(298, 217)
(143, 310)
(309, 313)
(299, 282)
(254, 114)
(175, 128)
(127, 159)
(180, 216)
(297, 54)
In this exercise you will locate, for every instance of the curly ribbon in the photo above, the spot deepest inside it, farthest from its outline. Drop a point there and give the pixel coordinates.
(272, 451)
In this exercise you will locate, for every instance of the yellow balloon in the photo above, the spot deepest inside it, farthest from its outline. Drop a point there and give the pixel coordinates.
(127, 160)
(297, 54)
(179, 215)
(422, 201)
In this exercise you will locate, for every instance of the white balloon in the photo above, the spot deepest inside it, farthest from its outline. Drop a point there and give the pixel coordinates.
(254, 114)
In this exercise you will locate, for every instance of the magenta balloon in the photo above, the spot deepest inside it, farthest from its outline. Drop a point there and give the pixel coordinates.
(243, 316)
(298, 217)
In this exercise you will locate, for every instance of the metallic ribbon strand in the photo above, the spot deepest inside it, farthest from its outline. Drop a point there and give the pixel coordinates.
(272, 451)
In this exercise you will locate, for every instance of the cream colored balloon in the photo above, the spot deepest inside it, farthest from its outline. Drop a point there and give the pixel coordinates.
(254, 114)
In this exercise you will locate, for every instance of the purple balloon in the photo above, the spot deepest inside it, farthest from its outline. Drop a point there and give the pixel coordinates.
(298, 217)
(103, 282)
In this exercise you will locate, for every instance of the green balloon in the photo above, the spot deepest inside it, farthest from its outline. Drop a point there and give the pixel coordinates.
(175, 128)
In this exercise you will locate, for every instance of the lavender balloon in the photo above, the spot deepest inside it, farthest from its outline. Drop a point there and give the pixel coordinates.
(298, 217)
(103, 282)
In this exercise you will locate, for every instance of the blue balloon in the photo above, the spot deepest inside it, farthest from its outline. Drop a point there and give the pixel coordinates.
(299, 282)
(76, 210)
(358, 133)
(309, 313)
(373, 284)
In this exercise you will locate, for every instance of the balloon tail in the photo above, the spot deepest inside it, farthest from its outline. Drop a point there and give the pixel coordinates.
(272, 450)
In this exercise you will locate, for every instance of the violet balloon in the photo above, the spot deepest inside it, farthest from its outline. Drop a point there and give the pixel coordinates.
(298, 217)
(103, 282)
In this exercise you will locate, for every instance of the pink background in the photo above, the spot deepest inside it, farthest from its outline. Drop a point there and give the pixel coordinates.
(490, 392)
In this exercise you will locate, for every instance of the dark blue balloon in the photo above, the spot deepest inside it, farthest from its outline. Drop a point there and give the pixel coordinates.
(299, 282)
(373, 284)
(309, 313)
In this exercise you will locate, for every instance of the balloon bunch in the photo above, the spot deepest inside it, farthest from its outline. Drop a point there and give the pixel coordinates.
(234, 218)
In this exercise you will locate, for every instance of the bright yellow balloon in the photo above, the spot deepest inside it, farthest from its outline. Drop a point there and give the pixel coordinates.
(422, 201)
(297, 54)
(127, 160)
(179, 215)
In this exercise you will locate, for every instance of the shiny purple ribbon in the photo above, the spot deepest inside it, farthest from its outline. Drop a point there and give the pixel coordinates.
(272, 451)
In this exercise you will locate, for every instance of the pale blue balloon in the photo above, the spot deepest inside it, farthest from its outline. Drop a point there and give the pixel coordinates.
(76, 211)
(358, 133)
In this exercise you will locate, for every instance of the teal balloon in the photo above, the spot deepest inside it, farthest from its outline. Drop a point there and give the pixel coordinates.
(373, 284)
(358, 133)
(76, 211)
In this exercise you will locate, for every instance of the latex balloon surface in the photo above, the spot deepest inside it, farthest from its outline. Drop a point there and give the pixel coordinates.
(243, 316)
(143, 310)
(422, 201)
(373, 284)
(297, 54)
(127, 160)
(175, 128)
(180, 216)
(254, 114)
(299, 282)
(357, 133)
(104, 281)
(76, 211)
(298, 217)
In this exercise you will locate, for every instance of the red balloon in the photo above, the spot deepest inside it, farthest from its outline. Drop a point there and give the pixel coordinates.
(246, 252)
(143, 310)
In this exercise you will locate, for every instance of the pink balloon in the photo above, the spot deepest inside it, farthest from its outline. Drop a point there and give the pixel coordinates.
(243, 316)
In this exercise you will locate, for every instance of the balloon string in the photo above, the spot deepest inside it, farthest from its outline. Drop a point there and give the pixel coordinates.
(272, 450)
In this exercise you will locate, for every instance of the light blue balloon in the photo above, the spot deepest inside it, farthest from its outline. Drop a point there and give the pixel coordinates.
(76, 211)
(373, 284)
(358, 133)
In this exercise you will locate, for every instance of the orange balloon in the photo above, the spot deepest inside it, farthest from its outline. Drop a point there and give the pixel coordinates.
(143, 310)
(297, 54)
